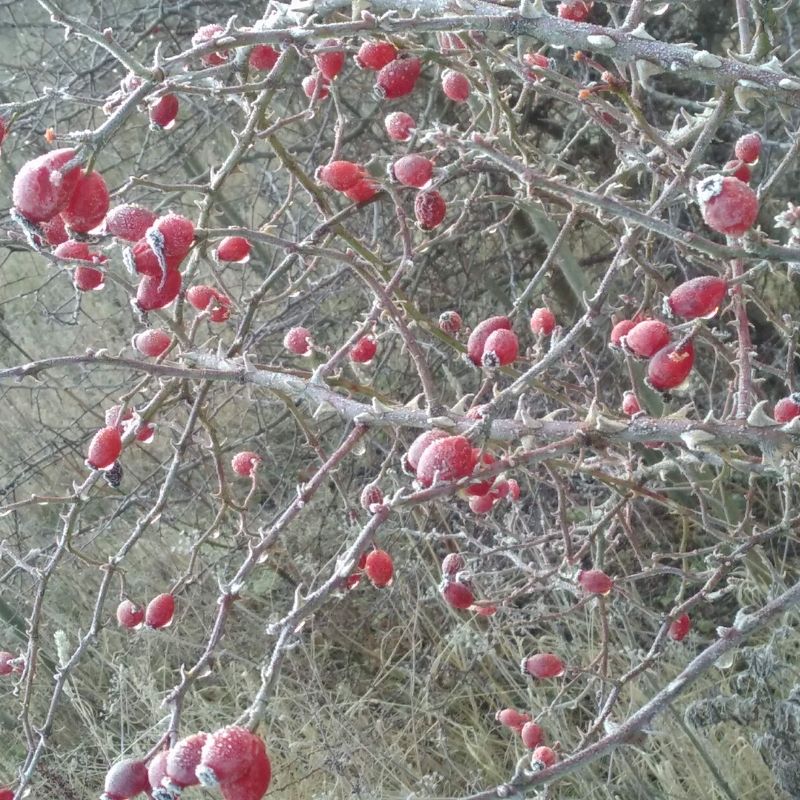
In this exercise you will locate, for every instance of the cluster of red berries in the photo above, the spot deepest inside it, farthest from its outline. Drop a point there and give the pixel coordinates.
(232, 759)
(531, 735)
(11, 664)
(157, 614)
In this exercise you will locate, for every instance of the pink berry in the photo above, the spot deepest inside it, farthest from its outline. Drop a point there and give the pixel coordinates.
(419, 446)
(159, 611)
(371, 495)
(680, 627)
(481, 504)
(126, 779)
(575, 10)
(164, 111)
(156, 772)
(331, 62)
(151, 294)
(54, 230)
(6, 658)
(263, 57)
(452, 564)
(511, 718)
(379, 568)
(129, 615)
(41, 189)
(206, 34)
(446, 459)
(501, 348)
(429, 209)
(543, 321)
(630, 404)
(728, 205)
(375, 54)
(104, 449)
(298, 341)
(364, 350)
(450, 322)
(234, 248)
(622, 328)
(738, 169)
(457, 595)
(514, 492)
(748, 148)
(152, 343)
(398, 78)
(88, 204)
(531, 735)
(315, 86)
(699, 297)
(647, 338)
(340, 175)
(412, 170)
(536, 60)
(226, 755)
(455, 85)
(400, 126)
(477, 339)
(595, 581)
(787, 408)
(544, 756)
(670, 366)
(178, 233)
(362, 191)
(253, 784)
(129, 222)
(183, 759)
(543, 665)
(245, 462)
(450, 42)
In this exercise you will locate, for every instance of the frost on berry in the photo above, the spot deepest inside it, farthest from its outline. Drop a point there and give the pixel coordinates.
(738, 169)
(164, 111)
(263, 57)
(452, 564)
(543, 321)
(183, 759)
(245, 463)
(129, 615)
(364, 350)
(104, 449)
(531, 735)
(457, 595)
(543, 665)
(234, 248)
(482, 487)
(398, 78)
(450, 322)
(152, 293)
(728, 205)
(6, 667)
(54, 230)
(129, 222)
(575, 10)
(88, 204)
(340, 175)
(511, 718)
(514, 492)
(748, 148)
(375, 54)
(501, 348)
(371, 495)
(152, 343)
(481, 504)
(787, 408)
(481, 333)
(226, 755)
(253, 784)
(647, 338)
(41, 188)
(670, 366)
(446, 459)
(159, 611)
(630, 404)
(330, 62)
(379, 568)
(298, 341)
(178, 233)
(679, 628)
(315, 86)
(207, 298)
(206, 34)
(412, 170)
(455, 85)
(595, 581)
(430, 209)
(156, 772)
(543, 757)
(400, 126)
(126, 779)
(419, 446)
(699, 297)
(362, 191)
(622, 328)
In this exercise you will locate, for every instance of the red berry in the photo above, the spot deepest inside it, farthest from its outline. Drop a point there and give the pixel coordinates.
(375, 54)
(748, 148)
(429, 209)
(330, 63)
(340, 175)
(544, 755)
(253, 784)
(206, 34)
(532, 735)
(88, 204)
(622, 328)
(263, 57)
(207, 298)
(595, 581)
(371, 495)
(362, 191)
(364, 350)
(457, 595)
(501, 348)
(787, 408)
(543, 665)
(297, 341)
(398, 78)
(514, 492)
(477, 339)
(379, 568)
(400, 126)
(452, 564)
(129, 222)
(543, 321)
(104, 449)
(483, 487)
(446, 459)
(699, 297)
(227, 755)
(630, 404)
(419, 446)
(310, 89)
(116, 419)
(41, 189)
(574, 10)
(477, 412)
(450, 322)
(182, 761)
(54, 230)
(728, 205)
(178, 233)
(455, 85)
(481, 504)
(88, 279)
(738, 169)
(164, 111)
(680, 627)
(511, 718)
(234, 248)
(449, 42)
(126, 779)
(156, 772)
(3, 130)
(647, 338)
(159, 611)
(152, 342)
(145, 260)
(245, 462)
(151, 294)
(412, 170)
(670, 366)
(129, 615)
(6, 658)
(536, 60)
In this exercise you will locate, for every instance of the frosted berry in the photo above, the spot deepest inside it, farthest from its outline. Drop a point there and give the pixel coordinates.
(164, 111)
(543, 321)
(429, 209)
(182, 761)
(206, 34)
(544, 756)
(340, 175)
(622, 328)
(477, 339)
(315, 86)
(116, 419)
(207, 298)
(481, 504)
(156, 772)
(501, 348)
(450, 42)
(477, 412)
(263, 57)
(226, 755)
(379, 568)
(457, 595)
(679, 628)
(362, 191)
(54, 230)
(146, 262)
(6, 668)
(245, 462)
(126, 779)
(511, 718)
(455, 85)
(412, 170)
(419, 446)
(398, 78)
(152, 343)
(371, 495)
(41, 189)
(450, 322)
(699, 297)
(88, 204)
(543, 665)
(481, 460)
(452, 564)
(88, 279)
(647, 337)
(330, 63)
(3, 130)
(6, 794)
(129, 222)
(595, 581)
(75, 250)
(364, 350)
(514, 492)
(104, 449)
(531, 735)
(159, 611)
(535, 60)
(151, 294)
(253, 784)
(375, 54)
(575, 10)
(178, 233)
(630, 404)
(234, 248)
(298, 341)
(446, 459)
(400, 126)
(748, 148)
(787, 408)
(670, 366)
(738, 169)
(728, 205)
(129, 615)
